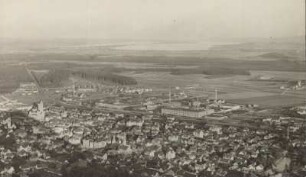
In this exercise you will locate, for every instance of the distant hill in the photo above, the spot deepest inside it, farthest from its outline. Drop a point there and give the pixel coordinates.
(275, 48)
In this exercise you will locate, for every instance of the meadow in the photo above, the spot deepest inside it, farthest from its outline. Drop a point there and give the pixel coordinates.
(233, 69)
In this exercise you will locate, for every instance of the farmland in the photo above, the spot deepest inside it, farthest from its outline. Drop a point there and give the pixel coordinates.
(272, 101)
(236, 89)
(249, 72)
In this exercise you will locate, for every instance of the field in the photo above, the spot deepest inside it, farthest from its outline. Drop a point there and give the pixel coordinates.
(272, 101)
(236, 89)
(234, 69)
(11, 76)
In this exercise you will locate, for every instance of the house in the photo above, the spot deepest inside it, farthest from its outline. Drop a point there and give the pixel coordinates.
(8, 171)
(170, 154)
(93, 144)
(39, 130)
(75, 140)
(281, 164)
(161, 155)
(216, 129)
(173, 138)
(198, 134)
(151, 151)
(135, 122)
(124, 149)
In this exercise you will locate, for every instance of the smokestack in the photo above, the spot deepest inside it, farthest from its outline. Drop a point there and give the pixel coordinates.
(288, 133)
(216, 95)
(73, 86)
(169, 95)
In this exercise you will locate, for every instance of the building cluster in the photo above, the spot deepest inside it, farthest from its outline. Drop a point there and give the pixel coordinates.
(27, 89)
(115, 105)
(131, 90)
(7, 104)
(300, 110)
(210, 109)
(85, 87)
(22, 146)
(161, 145)
(73, 97)
(194, 113)
(294, 85)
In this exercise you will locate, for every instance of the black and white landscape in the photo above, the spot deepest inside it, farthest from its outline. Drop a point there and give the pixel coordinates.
(201, 88)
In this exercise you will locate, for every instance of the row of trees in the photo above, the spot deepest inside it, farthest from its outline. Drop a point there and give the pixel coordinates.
(211, 70)
(54, 78)
(103, 76)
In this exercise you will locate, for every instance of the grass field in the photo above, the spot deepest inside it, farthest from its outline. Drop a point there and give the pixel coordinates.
(228, 68)
(11, 76)
(271, 101)
(236, 89)
(281, 74)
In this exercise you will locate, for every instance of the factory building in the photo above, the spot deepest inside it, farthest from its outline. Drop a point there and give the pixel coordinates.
(193, 113)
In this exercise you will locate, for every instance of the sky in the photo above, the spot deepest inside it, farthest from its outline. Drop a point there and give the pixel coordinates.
(151, 19)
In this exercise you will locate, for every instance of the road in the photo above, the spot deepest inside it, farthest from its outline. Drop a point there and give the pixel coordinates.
(32, 76)
(5, 98)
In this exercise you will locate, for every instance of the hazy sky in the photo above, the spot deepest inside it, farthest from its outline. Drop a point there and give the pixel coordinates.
(151, 19)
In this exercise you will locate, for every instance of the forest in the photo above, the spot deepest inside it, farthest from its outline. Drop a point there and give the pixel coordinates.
(54, 78)
(57, 78)
(105, 76)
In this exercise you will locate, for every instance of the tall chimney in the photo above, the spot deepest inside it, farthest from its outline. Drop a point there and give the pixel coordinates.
(216, 95)
(169, 95)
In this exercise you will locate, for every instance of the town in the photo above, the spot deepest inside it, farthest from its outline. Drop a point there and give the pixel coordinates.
(176, 137)
(152, 88)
